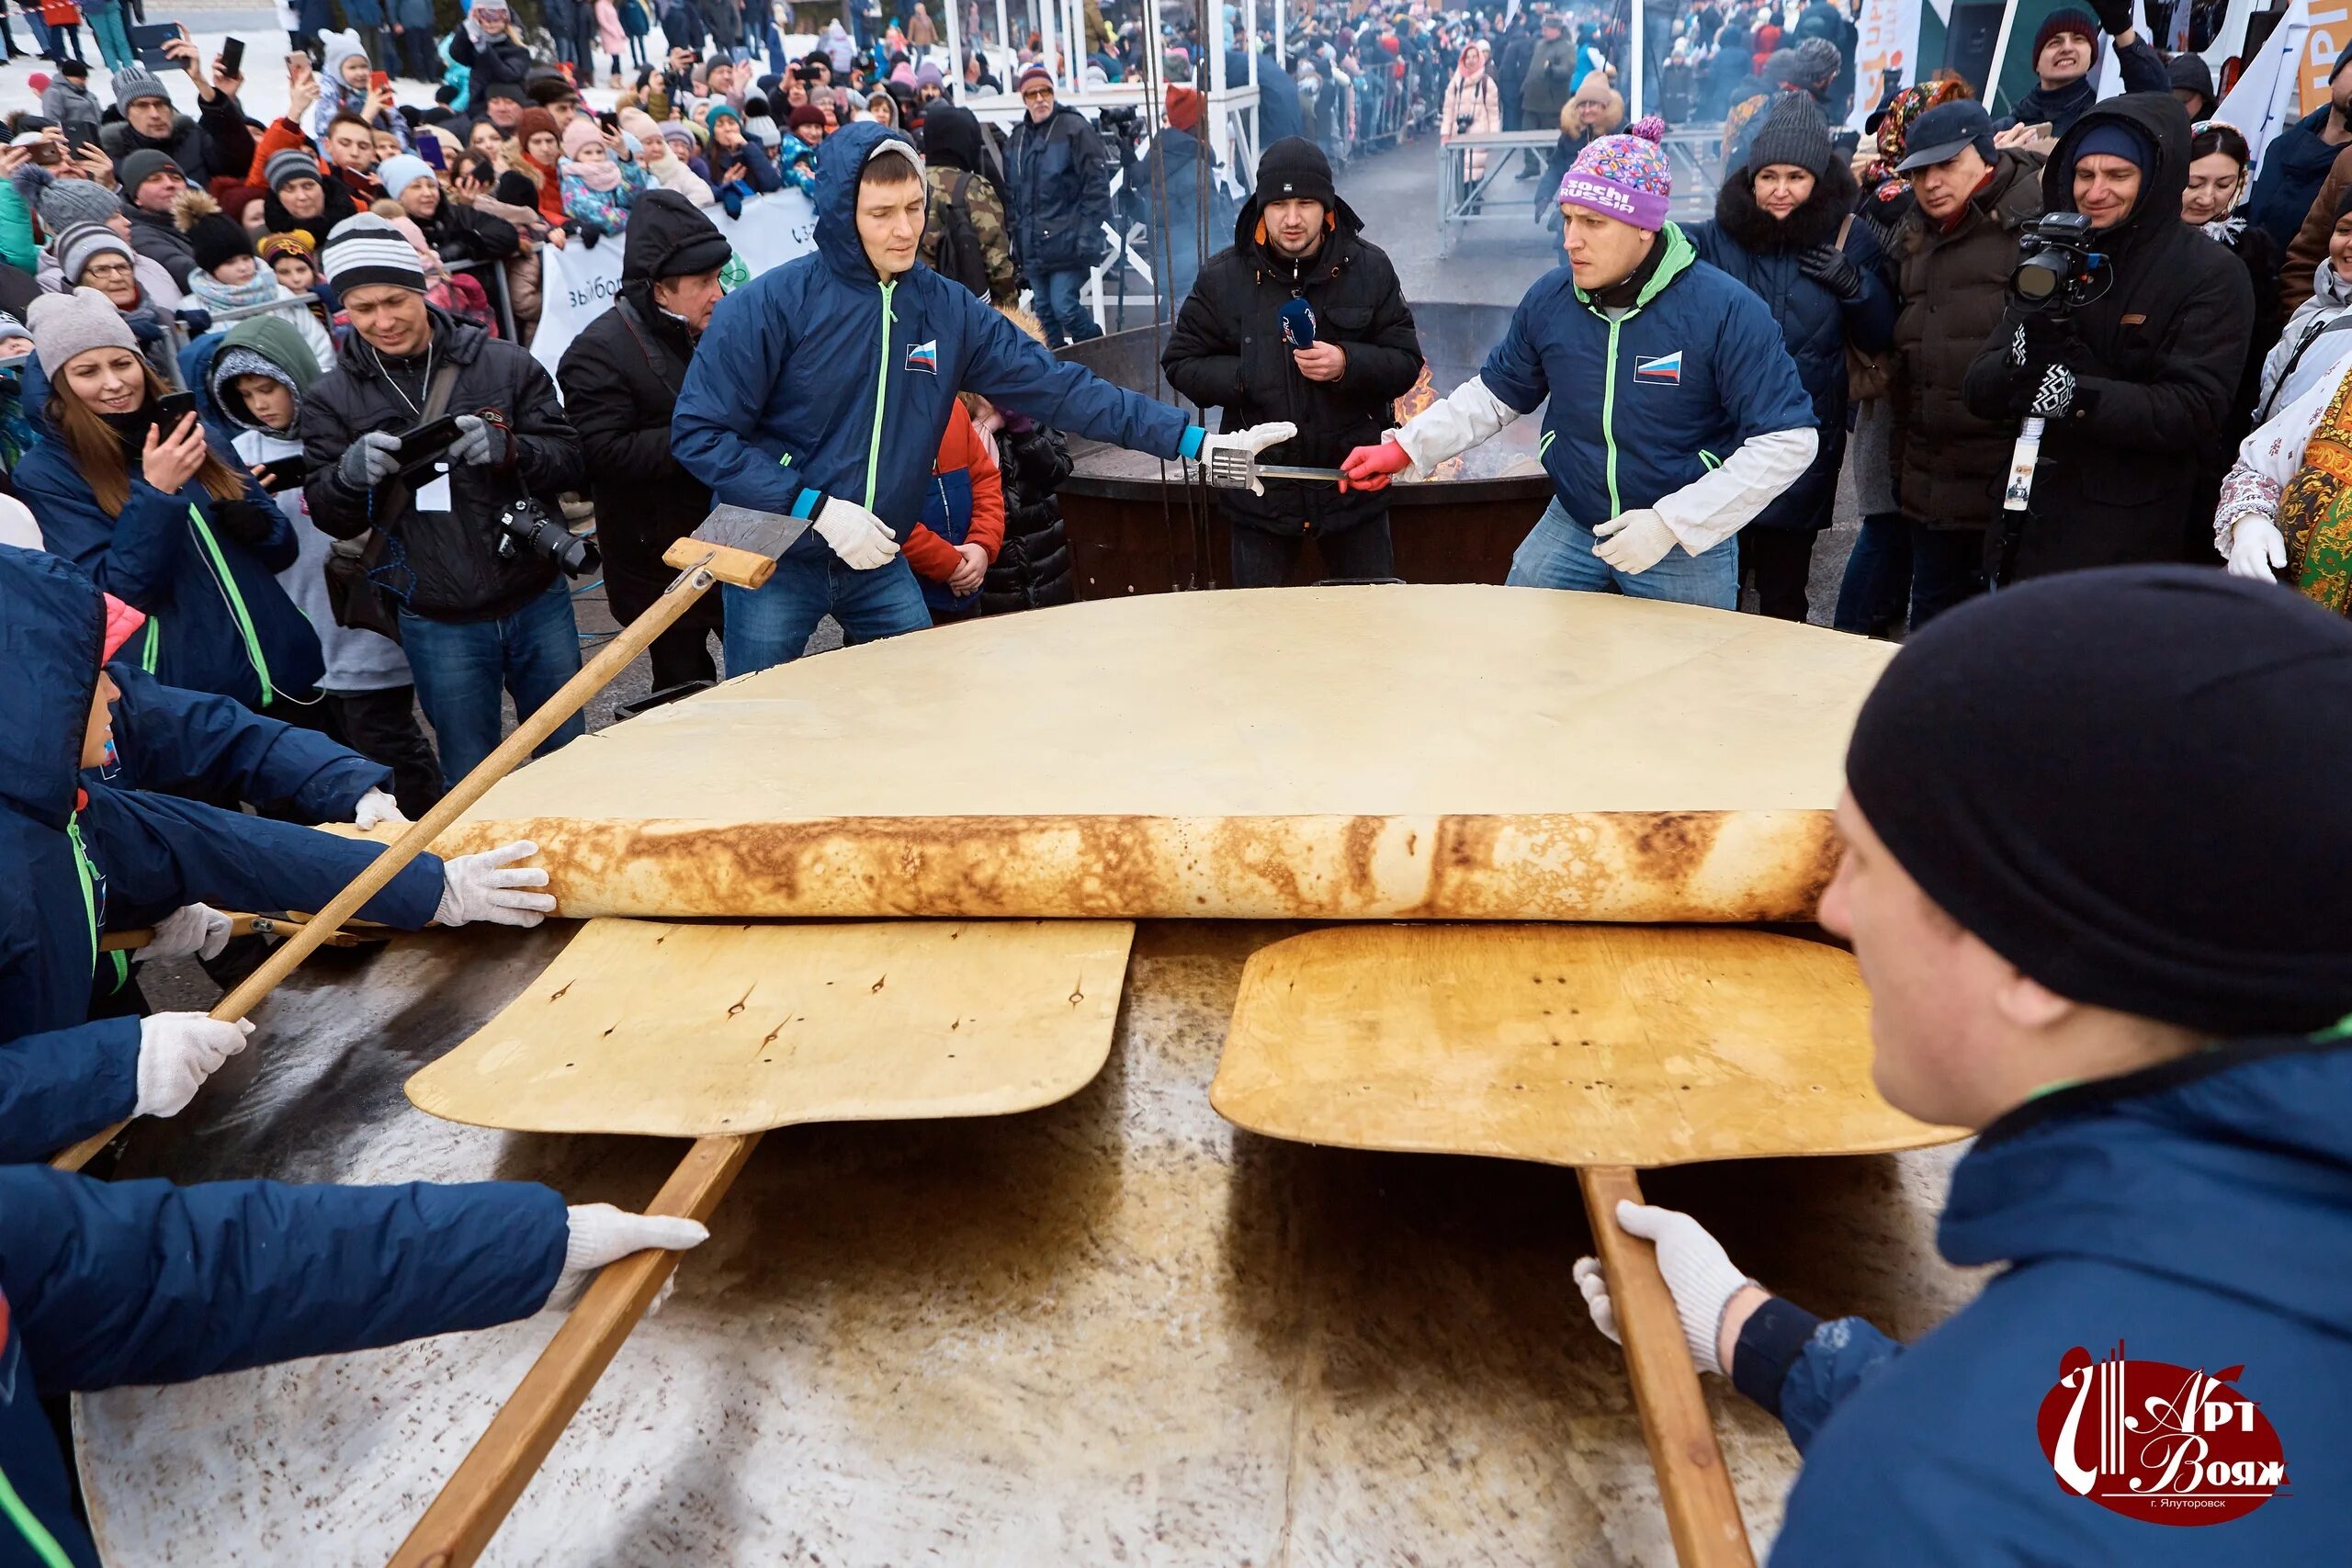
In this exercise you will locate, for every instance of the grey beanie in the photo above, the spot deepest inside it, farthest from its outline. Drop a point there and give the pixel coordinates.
(290, 164)
(77, 247)
(68, 202)
(1792, 133)
(137, 168)
(66, 325)
(134, 82)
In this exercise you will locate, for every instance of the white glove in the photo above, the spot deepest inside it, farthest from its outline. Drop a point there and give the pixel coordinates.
(479, 887)
(602, 1234)
(192, 930)
(1697, 1270)
(2257, 549)
(1633, 541)
(376, 808)
(863, 540)
(1231, 457)
(178, 1051)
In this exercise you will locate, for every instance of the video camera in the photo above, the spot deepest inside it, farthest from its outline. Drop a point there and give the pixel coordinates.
(1122, 121)
(2059, 270)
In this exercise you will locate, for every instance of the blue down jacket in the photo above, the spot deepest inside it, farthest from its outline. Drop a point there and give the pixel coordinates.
(212, 749)
(818, 378)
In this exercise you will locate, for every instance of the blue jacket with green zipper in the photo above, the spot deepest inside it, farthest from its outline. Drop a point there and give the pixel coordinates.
(1654, 400)
(820, 379)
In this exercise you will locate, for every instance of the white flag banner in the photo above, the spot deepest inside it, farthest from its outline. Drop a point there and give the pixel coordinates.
(1887, 39)
(579, 284)
(2267, 98)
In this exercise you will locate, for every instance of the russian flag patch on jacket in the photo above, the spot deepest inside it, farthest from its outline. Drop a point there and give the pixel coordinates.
(1665, 368)
(924, 356)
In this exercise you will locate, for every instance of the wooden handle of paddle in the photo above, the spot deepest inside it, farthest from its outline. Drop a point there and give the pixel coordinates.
(614, 657)
(1701, 1513)
(477, 1499)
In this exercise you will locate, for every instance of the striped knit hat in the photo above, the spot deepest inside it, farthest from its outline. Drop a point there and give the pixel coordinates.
(82, 243)
(366, 250)
(288, 165)
(1625, 177)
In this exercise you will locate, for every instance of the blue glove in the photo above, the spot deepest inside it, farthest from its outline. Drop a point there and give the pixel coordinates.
(195, 318)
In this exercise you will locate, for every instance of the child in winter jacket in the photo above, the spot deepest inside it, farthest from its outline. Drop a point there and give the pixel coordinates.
(228, 274)
(962, 519)
(740, 166)
(345, 87)
(598, 189)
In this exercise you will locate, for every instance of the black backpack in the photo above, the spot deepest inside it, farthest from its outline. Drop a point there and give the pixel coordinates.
(960, 255)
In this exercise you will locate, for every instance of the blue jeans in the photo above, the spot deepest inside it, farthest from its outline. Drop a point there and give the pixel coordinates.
(771, 624)
(1059, 309)
(1876, 590)
(1558, 554)
(461, 665)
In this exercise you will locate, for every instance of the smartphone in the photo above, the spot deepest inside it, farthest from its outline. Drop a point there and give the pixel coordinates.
(429, 149)
(172, 408)
(148, 42)
(429, 439)
(232, 56)
(380, 81)
(285, 473)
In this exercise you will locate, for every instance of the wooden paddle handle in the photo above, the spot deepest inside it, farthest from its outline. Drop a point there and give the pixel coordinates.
(1701, 1513)
(477, 1499)
(593, 676)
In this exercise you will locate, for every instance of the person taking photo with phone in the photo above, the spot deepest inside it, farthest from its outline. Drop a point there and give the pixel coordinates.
(215, 142)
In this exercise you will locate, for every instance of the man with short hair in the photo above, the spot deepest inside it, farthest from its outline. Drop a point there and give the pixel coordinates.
(151, 183)
(1550, 78)
(2305, 171)
(217, 142)
(823, 387)
(467, 532)
(351, 155)
(1302, 317)
(1058, 180)
(2144, 1021)
(1681, 415)
(2066, 56)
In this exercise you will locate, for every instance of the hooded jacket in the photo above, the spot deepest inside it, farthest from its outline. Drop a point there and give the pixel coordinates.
(1057, 178)
(2199, 1212)
(1815, 324)
(819, 378)
(2317, 336)
(207, 748)
(156, 235)
(2294, 166)
(216, 619)
(2156, 359)
(1226, 351)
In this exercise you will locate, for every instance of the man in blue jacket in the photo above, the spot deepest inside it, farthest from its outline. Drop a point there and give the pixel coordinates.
(1680, 415)
(2297, 162)
(79, 857)
(2149, 1024)
(823, 387)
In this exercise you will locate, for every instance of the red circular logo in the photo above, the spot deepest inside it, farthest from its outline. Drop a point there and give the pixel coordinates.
(2150, 1440)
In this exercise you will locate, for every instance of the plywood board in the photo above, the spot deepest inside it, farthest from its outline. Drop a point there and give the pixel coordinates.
(1570, 1044)
(690, 1030)
(1427, 751)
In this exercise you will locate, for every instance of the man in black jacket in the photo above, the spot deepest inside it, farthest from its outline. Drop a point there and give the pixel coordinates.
(217, 142)
(481, 605)
(2145, 371)
(1296, 240)
(620, 379)
(1059, 179)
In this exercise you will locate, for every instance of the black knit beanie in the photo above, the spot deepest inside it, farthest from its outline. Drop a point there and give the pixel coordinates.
(1292, 168)
(2130, 784)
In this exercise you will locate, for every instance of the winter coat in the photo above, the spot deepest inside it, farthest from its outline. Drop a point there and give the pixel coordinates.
(108, 1284)
(157, 236)
(1657, 399)
(1815, 324)
(1180, 168)
(216, 619)
(1057, 178)
(604, 211)
(1471, 108)
(609, 37)
(207, 748)
(2144, 72)
(2156, 358)
(635, 22)
(2199, 1213)
(339, 206)
(1510, 68)
(818, 378)
(487, 64)
(73, 108)
(80, 855)
(724, 21)
(1550, 79)
(338, 96)
(1032, 567)
(215, 142)
(444, 566)
(2318, 335)
(1226, 351)
(759, 169)
(2312, 228)
(1951, 289)
(1278, 110)
(2294, 166)
(460, 233)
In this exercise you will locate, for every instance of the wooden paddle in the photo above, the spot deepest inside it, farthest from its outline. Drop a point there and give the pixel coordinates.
(720, 1032)
(732, 546)
(1601, 1047)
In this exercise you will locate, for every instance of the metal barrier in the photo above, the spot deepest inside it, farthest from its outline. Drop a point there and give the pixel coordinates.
(1463, 199)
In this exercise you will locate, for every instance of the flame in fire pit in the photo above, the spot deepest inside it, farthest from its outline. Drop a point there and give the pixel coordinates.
(1423, 394)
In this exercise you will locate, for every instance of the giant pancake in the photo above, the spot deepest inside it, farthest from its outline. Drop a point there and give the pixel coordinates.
(1427, 752)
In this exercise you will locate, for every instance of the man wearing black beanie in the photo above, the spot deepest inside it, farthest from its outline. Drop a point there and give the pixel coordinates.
(2095, 881)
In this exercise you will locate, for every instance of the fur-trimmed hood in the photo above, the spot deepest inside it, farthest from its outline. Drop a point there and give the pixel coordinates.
(1814, 223)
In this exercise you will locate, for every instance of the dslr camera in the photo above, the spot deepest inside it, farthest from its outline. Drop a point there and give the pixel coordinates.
(526, 525)
(2059, 267)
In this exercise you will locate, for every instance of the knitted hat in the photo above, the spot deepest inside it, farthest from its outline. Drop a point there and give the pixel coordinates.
(1185, 105)
(68, 202)
(805, 115)
(581, 135)
(1625, 177)
(638, 123)
(1296, 169)
(11, 327)
(289, 164)
(2115, 139)
(76, 247)
(2044, 763)
(365, 250)
(293, 242)
(718, 111)
(214, 236)
(334, 47)
(399, 171)
(1792, 133)
(1815, 63)
(497, 90)
(66, 325)
(485, 9)
(2082, 24)
(234, 199)
(140, 167)
(929, 75)
(534, 121)
(681, 133)
(134, 82)
(1032, 76)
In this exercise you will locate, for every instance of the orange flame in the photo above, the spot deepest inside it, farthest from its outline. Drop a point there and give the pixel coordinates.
(1423, 394)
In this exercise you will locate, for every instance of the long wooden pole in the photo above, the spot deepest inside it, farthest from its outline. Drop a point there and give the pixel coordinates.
(477, 1499)
(713, 564)
(1701, 1513)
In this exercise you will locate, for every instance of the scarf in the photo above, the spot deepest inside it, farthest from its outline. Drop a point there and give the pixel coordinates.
(596, 174)
(551, 191)
(259, 289)
(2316, 509)
(2226, 230)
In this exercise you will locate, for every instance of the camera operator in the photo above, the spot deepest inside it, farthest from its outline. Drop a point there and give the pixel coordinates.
(472, 537)
(2140, 356)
